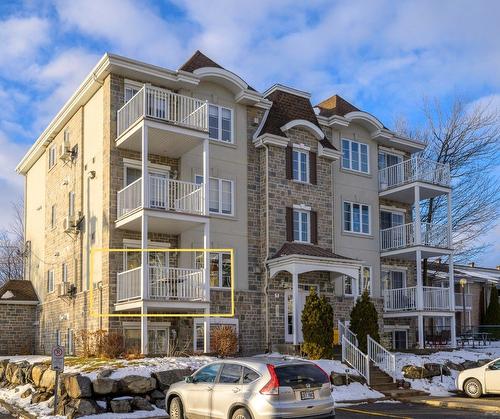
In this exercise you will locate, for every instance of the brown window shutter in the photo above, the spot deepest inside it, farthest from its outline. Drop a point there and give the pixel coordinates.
(312, 168)
(288, 163)
(314, 227)
(289, 224)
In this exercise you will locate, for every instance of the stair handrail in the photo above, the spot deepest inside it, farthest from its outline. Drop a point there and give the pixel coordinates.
(381, 357)
(354, 357)
(348, 333)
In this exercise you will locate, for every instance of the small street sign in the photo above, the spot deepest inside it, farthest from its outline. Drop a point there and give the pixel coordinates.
(58, 358)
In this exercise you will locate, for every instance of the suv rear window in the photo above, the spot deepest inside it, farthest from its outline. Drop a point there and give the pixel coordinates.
(299, 375)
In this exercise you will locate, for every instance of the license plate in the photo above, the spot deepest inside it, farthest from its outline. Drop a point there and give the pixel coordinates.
(306, 395)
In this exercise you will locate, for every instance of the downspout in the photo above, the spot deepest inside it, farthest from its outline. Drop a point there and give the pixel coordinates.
(266, 271)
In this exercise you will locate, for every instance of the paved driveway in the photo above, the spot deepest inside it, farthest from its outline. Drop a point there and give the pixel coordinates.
(404, 411)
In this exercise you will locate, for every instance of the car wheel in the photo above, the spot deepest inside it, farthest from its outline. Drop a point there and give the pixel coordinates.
(241, 414)
(175, 411)
(472, 388)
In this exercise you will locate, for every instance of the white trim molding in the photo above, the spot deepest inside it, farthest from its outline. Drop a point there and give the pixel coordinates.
(328, 153)
(270, 139)
(309, 126)
(287, 89)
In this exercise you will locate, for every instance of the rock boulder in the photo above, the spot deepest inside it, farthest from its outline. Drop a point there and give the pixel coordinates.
(78, 386)
(105, 386)
(121, 405)
(167, 378)
(140, 403)
(136, 384)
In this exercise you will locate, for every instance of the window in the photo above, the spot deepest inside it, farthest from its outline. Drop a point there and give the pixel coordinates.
(249, 375)
(64, 269)
(356, 218)
(131, 89)
(387, 159)
(365, 280)
(393, 279)
(230, 374)
(53, 217)
(220, 195)
(220, 268)
(355, 156)
(300, 166)
(50, 281)
(131, 175)
(301, 226)
(52, 156)
(348, 285)
(390, 219)
(207, 374)
(58, 337)
(220, 123)
(199, 329)
(71, 204)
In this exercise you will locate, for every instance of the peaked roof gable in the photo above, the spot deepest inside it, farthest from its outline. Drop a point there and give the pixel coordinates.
(335, 105)
(198, 60)
(17, 290)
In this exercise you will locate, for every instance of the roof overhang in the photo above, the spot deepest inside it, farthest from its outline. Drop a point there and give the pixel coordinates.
(270, 139)
(298, 264)
(307, 125)
(328, 153)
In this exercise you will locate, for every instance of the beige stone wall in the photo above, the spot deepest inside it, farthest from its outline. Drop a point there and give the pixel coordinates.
(17, 334)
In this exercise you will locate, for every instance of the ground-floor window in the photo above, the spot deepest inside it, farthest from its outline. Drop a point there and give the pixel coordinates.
(400, 339)
(199, 330)
(158, 338)
(70, 347)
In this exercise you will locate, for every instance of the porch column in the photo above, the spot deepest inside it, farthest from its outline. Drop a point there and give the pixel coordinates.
(295, 307)
(206, 331)
(144, 330)
(206, 176)
(420, 331)
(453, 334)
(451, 283)
(144, 257)
(144, 219)
(144, 168)
(420, 290)
(417, 221)
(206, 278)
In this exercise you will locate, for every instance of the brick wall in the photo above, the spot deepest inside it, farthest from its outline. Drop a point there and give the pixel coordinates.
(17, 334)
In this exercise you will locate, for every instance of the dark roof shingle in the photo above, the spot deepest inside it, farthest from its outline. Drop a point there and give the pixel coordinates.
(198, 60)
(303, 249)
(21, 290)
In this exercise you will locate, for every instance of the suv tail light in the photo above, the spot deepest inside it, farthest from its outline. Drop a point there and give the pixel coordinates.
(272, 386)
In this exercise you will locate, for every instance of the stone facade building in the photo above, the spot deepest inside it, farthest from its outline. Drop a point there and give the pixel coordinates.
(119, 212)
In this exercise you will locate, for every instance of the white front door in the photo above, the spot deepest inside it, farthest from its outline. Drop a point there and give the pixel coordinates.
(289, 312)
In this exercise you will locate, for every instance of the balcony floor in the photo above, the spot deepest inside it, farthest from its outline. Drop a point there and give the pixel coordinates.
(162, 306)
(164, 138)
(414, 313)
(161, 221)
(410, 253)
(406, 193)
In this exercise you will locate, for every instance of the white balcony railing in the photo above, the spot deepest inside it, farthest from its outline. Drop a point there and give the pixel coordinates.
(164, 193)
(177, 284)
(416, 169)
(405, 235)
(153, 102)
(405, 299)
(459, 301)
(128, 284)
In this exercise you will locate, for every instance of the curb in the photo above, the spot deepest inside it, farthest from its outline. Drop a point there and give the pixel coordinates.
(380, 399)
(454, 405)
(16, 411)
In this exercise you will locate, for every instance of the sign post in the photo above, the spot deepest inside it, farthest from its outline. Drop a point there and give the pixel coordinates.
(58, 367)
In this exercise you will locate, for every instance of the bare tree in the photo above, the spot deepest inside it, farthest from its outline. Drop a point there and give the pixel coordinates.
(12, 249)
(468, 139)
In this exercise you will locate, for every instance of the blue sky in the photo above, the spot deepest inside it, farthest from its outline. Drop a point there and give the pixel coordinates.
(384, 56)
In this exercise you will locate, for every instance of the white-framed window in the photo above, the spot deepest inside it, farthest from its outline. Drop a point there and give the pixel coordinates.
(64, 272)
(301, 226)
(221, 195)
(348, 291)
(52, 156)
(393, 278)
(220, 123)
(220, 268)
(71, 204)
(357, 218)
(50, 280)
(386, 159)
(300, 165)
(355, 156)
(53, 216)
(390, 219)
(365, 282)
(130, 89)
(133, 260)
(199, 329)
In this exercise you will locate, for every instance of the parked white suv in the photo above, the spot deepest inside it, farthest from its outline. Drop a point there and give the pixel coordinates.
(482, 380)
(253, 388)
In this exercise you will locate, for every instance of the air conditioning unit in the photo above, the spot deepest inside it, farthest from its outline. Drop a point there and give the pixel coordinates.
(64, 151)
(68, 224)
(63, 288)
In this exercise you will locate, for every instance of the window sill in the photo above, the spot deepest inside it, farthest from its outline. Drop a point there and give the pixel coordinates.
(360, 235)
(223, 143)
(355, 172)
(301, 182)
(231, 217)
(220, 288)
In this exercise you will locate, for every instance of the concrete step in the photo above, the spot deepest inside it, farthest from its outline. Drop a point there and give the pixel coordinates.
(380, 380)
(384, 387)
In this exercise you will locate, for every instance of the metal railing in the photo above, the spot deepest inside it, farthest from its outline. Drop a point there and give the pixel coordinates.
(129, 198)
(164, 193)
(405, 235)
(345, 331)
(459, 301)
(400, 299)
(381, 357)
(436, 298)
(162, 104)
(128, 284)
(354, 357)
(176, 284)
(416, 169)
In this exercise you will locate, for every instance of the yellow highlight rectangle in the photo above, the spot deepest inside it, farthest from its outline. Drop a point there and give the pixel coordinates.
(93, 251)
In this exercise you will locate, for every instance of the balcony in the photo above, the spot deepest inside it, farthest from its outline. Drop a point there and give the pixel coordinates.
(401, 239)
(459, 301)
(397, 182)
(407, 299)
(165, 285)
(175, 123)
(166, 196)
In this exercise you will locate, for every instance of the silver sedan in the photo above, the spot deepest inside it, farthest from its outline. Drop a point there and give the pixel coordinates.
(253, 388)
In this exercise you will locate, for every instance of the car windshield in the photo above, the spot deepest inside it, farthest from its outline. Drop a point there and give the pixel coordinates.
(301, 376)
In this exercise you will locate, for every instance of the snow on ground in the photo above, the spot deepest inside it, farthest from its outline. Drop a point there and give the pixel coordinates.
(30, 358)
(442, 386)
(132, 415)
(354, 391)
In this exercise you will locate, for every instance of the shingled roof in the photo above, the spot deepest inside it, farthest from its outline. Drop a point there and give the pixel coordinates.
(303, 249)
(18, 290)
(289, 107)
(335, 105)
